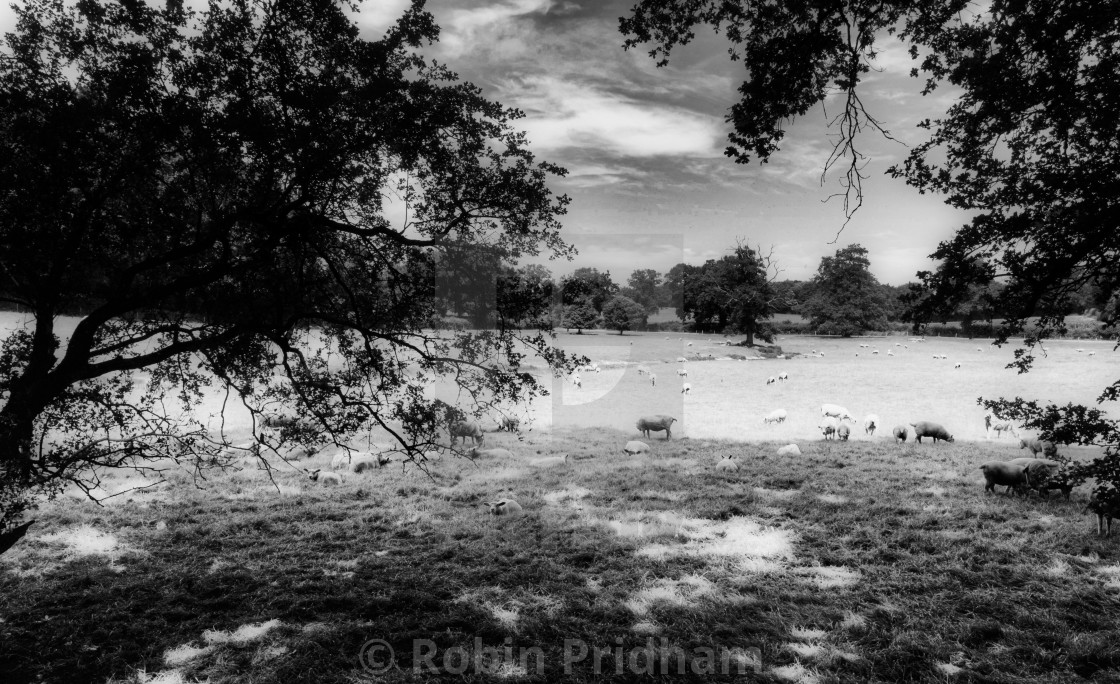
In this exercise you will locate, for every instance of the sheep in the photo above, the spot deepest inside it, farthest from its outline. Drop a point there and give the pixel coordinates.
(1038, 445)
(634, 447)
(870, 423)
(326, 478)
(729, 463)
(771, 380)
(1106, 507)
(900, 433)
(1046, 475)
(682, 372)
(549, 461)
(510, 423)
(656, 424)
(1092, 353)
(957, 365)
(686, 388)
(789, 450)
(843, 432)
(838, 412)
(643, 370)
(890, 353)
(1000, 428)
(461, 429)
(689, 344)
(775, 416)
(783, 376)
(874, 351)
(828, 427)
(681, 359)
(504, 507)
(653, 379)
(475, 452)
(576, 380)
(364, 461)
(1011, 475)
(926, 429)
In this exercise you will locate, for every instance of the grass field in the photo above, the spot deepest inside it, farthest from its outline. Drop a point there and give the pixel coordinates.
(863, 561)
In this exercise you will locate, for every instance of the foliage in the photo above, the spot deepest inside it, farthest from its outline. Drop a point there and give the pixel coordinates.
(587, 285)
(524, 295)
(213, 190)
(846, 299)
(580, 316)
(732, 293)
(645, 289)
(622, 314)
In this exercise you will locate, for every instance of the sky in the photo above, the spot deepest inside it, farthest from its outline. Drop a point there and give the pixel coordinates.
(643, 146)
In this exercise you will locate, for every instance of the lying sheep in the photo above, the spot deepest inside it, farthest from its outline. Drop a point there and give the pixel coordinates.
(1046, 475)
(504, 507)
(656, 424)
(686, 388)
(475, 452)
(681, 359)
(789, 450)
(549, 461)
(900, 433)
(843, 432)
(775, 416)
(828, 427)
(927, 429)
(1011, 475)
(728, 463)
(462, 429)
(838, 412)
(635, 447)
(326, 478)
(870, 423)
(365, 460)
(1106, 507)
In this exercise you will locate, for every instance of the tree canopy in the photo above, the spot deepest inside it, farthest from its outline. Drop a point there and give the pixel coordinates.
(250, 199)
(733, 292)
(622, 313)
(587, 284)
(846, 298)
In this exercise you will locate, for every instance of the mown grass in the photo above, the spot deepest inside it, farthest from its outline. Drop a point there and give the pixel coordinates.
(854, 562)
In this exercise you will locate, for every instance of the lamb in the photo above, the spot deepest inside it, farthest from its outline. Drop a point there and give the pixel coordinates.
(1011, 475)
(656, 424)
(686, 388)
(838, 412)
(789, 450)
(1106, 507)
(775, 416)
(843, 432)
(325, 478)
(728, 463)
(871, 423)
(783, 376)
(634, 447)
(828, 427)
(900, 433)
(504, 507)
(926, 429)
(462, 429)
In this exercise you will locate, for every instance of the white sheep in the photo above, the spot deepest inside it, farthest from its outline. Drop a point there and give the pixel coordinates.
(789, 450)
(504, 507)
(577, 380)
(689, 344)
(890, 353)
(729, 463)
(783, 376)
(828, 427)
(326, 478)
(957, 365)
(365, 460)
(635, 447)
(838, 412)
(682, 372)
(653, 379)
(549, 461)
(681, 359)
(475, 452)
(775, 416)
(870, 423)
(771, 380)
(686, 388)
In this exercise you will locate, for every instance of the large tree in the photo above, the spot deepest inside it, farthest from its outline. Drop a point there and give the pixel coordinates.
(846, 298)
(588, 285)
(645, 289)
(731, 293)
(252, 200)
(1030, 144)
(622, 313)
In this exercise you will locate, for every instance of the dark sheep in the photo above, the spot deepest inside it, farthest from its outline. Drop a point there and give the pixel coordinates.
(1002, 473)
(927, 429)
(656, 424)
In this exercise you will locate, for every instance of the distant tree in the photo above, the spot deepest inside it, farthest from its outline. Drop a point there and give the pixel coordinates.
(587, 284)
(672, 290)
(645, 284)
(580, 316)
(207, 191)
(787, 298)
(846, 299)
(622, 314)
(524, 295)
(732, 293)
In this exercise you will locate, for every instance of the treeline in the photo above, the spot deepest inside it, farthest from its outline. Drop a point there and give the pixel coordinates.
(737, 295)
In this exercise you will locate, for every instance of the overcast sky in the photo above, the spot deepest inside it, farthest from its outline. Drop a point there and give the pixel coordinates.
(649, 184)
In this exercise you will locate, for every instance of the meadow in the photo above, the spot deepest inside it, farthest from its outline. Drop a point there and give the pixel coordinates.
(859, 561)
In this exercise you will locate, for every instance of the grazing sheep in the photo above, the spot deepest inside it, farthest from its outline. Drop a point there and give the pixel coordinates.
(510, 423)
(326, 478)
(789, 450)
(1046, 475)
(771, 380)
(635, 447)
(838, 412)
(462, 429)
(365, 460)
(656, 424)
(874, 351)
(871, 423)
(1092, 353)
(775, 416)
(653, 379)
(900, 433)
(475, 452)
(1000, 428)
(957, 365)
(689, 344)
(1106, 507)
(682, 372)
(783, 376)
(686, 388)
(828, 427)
(504, 507)
(643, 370)
(926, 429)
(843, 432)
(1011, 475)
(729, 463)
(1039, 446)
